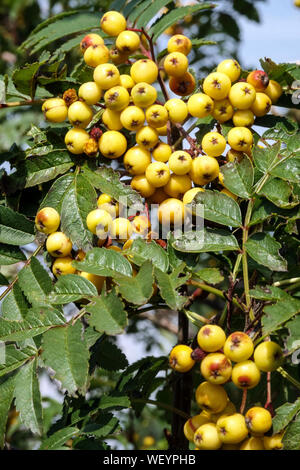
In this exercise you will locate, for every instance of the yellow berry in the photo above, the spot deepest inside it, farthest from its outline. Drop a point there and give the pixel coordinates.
(80, 114)
(136, 160)
(112, 120)
(252, 443)
(141, 225)
(211, 337)
(240, 138)
(58, 245)
(243, 118)
(217, 85)
(132, 118)
(238, 346)
(180, 358)
(171, 212)
(106, 76)
(204, 169)
(116, 98)
(177, 110)
(147, 137)
(245, 375)
(178, 185)
(200, 105)
(113, 23)
(232, 429)
(261, 105)
(96, 55)
(144, 70)
(143, 94)
(180, 162)
(242, 95)
(207, 438)
(98, 222)
(75, 139)
(268, 356)
(273, 442)
(258, 420)
(179, 43)
(128, 42)
(231, 68)
(108, 204)
(98, 281)
(121, 229)
(158, 174)
(192, 424)
(117, 57)
(63, 266)
(90, 92)
(176, 64)
(112, 144)
(211, 397)
(274, 91)
(126, 82)
(223, 110)
(216, 368)
(142, 185)
(55, 110)
(162, 152)
(213, 144)
(157, 115)
(47, 220)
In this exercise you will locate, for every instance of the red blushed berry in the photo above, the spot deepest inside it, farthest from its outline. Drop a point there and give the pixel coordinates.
(96, 133)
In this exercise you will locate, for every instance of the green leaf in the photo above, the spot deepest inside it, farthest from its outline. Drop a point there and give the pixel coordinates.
(15, 229)
(115, 400)
(264, 249)
(15, 305)
(25, 79)
(58, 191)
(108, 181)
(293, 341)
(288, 169)
(56, 440)
(210, 275)
(265, 157)
(148, 12)
(3, 280)
(104, 262)
(70, 288)
(10, 254)
(239, 177)
(110, 357)
(65, 351)
(14, 358)
(79, 200)
(168, 283)
(282, 131)
(7, 395)
(219, 208)
(28, 398)
(141, 251)
(291, 436)
(35, 282)
(269, 293)
(39, 170)
(278, 314)
(105, 425)
(134, 9)
(205, 241)
(137, 289)
(174, 16)
(60, 26)
(264, 210)
(37, 321)
(284, 415)
(107, 314)
(279, 192)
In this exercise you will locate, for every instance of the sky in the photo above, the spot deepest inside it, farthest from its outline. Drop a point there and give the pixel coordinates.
(276, 37)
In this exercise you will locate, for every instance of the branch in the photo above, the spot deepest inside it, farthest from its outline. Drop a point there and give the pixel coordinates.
(13, 104)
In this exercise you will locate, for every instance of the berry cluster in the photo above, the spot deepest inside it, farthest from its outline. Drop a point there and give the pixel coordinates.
(161, 173)
(219, 423)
